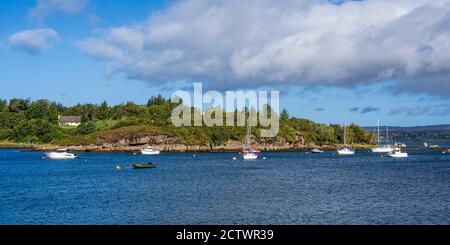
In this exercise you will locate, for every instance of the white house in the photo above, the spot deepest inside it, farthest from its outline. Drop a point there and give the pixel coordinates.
(69, 120)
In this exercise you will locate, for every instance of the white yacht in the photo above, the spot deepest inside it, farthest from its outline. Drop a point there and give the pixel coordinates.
(347, 150)
(61, 154)
(397, 153)
(249, 153)
(315, 150)
(382, 148)
(430, 145)
(148, 150)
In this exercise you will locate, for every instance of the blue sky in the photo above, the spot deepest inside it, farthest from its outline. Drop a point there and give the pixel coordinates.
(329, 72)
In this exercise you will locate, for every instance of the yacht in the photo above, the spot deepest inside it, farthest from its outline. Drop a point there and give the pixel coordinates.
(249, 153)
(315, 150)
(347, 150)
(148, 150)
(430, 145)
(61, 154)
(397, 153)
(382, 148)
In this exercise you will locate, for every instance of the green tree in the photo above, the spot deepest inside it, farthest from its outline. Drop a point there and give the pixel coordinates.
(87, 128)
(38, 109)
(284, 116)
(3, 105)
(17, 105)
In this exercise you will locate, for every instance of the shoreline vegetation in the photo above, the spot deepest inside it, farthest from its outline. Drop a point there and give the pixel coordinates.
(128, 127)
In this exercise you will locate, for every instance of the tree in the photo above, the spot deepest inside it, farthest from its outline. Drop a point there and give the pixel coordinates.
(159, 100)
(38, 110)
(87, 128)
(284, 116)
(3, 105)
(104, 111)
(17, 105)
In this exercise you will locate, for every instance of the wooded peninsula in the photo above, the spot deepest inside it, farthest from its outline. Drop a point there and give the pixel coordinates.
(129, 126)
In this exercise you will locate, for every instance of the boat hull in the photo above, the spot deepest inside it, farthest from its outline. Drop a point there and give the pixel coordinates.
(150, 152)
(143, 166)
(381, 150)
(249, 157)
(399, 155)
(345, 153)
(61, 156)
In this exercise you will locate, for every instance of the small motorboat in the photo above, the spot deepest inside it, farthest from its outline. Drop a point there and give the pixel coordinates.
(61, 154)
(143, 165)
(148, 150)
(346, 151)
(430, 145)
(316, 151)
(397, 153)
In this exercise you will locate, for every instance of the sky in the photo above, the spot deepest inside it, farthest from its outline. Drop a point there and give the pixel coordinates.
(331, 60)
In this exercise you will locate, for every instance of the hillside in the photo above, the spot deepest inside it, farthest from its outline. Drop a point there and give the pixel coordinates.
(129, 126)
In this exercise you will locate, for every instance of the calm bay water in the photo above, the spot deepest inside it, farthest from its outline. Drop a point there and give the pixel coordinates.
(211, 188)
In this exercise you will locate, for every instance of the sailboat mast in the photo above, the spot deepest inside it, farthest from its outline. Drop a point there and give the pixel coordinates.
(378, 129)
(387, 134)
(247, 137)
(345, 133)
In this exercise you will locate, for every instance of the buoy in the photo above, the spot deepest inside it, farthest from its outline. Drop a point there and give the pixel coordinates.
(134, 153)
(193, 155)
(234, 158)
(264, 158)
(118, 168)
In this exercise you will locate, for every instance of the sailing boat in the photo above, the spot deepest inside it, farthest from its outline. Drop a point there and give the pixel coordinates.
(347, 150)
(385, 148)
(249, 153)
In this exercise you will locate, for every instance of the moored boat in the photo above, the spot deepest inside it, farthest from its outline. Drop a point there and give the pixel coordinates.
(148, 150)
(143, 165)
(315, 150)
(61, 154)
(250, 153)
(382, 148)
(347, 150)
(397, 153)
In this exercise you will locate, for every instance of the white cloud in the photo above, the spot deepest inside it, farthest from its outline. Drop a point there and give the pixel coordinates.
(45, 8)
(235, 43)
(34, 41)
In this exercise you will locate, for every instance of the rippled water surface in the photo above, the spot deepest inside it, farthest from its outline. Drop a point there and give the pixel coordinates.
(211, 188)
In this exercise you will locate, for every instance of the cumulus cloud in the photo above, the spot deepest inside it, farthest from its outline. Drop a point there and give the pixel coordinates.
(256, 43)
(45, 8)
(34, 41)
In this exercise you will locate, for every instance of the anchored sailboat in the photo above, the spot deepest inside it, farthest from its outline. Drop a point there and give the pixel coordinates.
(347, 150)
(249, 153)
(382, 148)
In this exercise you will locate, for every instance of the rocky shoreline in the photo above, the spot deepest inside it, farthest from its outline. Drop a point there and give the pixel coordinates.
(172, 147)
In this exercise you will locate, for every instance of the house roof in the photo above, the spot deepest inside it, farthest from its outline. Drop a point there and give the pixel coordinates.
(69, 119)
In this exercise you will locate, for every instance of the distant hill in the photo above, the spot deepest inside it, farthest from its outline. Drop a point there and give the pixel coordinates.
(415, 129)
(437, 132)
